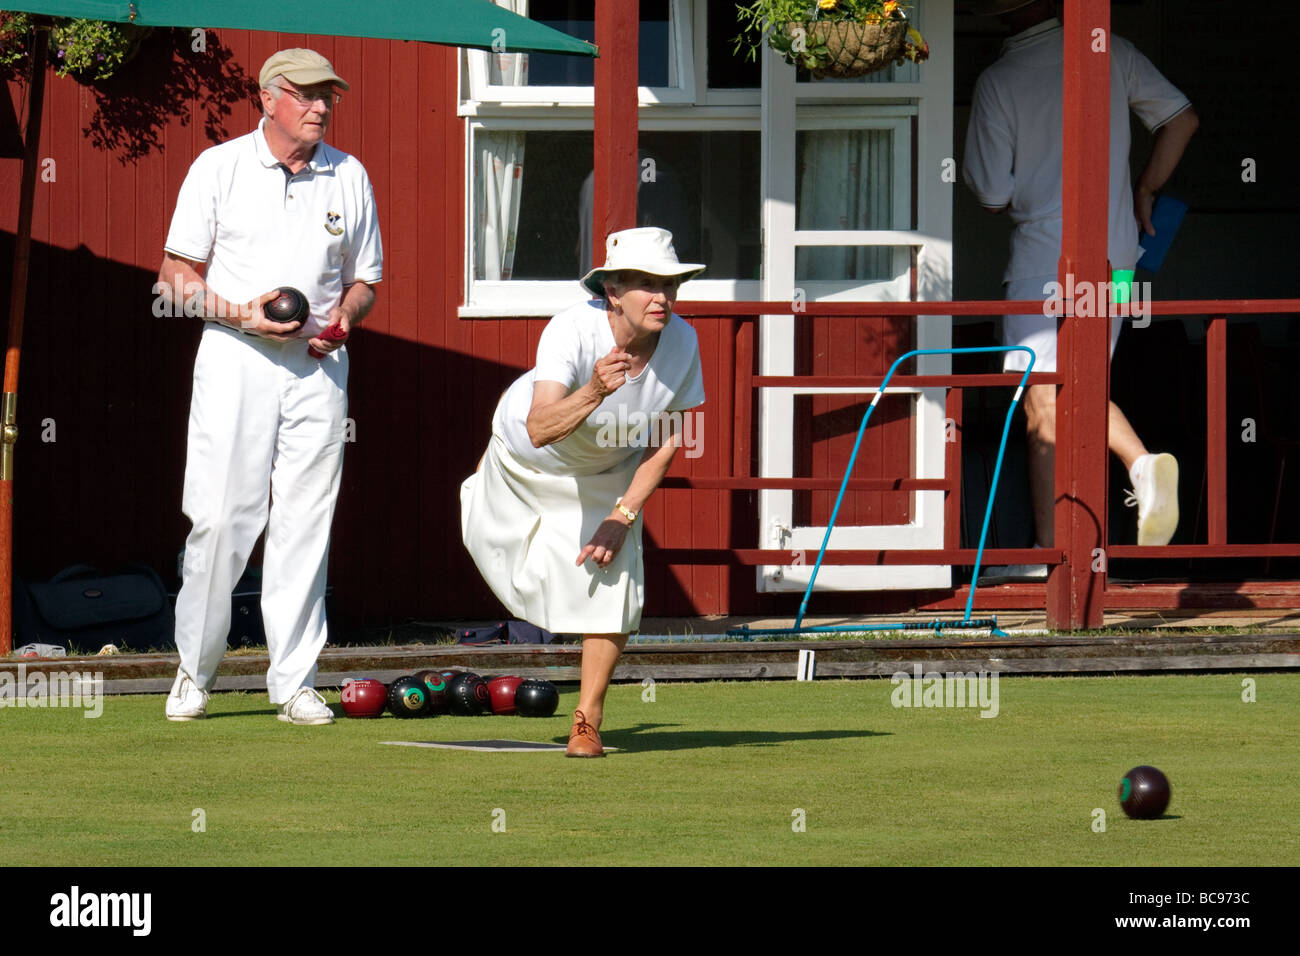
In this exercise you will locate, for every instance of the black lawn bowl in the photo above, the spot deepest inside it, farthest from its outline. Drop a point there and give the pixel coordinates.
(536, 698)
(289, 306)
(407, 697)
(1144, 793)
(468, 695)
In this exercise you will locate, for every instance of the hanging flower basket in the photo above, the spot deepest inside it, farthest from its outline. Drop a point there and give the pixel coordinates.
(844, 49)
(839, 39)
(89, 50)
(93, 49)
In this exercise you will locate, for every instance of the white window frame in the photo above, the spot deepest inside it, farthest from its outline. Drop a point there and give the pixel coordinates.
(533, 298)
(681, 62)
(569, 108)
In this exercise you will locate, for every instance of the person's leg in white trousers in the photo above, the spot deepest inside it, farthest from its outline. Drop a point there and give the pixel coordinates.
(265, 436)
(305, 478)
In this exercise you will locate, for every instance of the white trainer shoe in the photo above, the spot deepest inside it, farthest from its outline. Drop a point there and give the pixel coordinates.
(306, 707)
(187, 701)
(1155, 493)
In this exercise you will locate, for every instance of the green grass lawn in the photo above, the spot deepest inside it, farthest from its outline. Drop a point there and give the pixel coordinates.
(707, 774)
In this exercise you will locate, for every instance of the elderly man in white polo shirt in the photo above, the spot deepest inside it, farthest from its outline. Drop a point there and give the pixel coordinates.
(276, 207)
(1013, 163)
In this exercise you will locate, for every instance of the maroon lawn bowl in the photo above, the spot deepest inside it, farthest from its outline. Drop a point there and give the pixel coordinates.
(1144, 793)
(364, 698)
(503, 690)
(436, 684)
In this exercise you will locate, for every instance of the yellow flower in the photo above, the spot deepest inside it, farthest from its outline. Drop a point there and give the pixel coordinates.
(827, 4)
(890, 7)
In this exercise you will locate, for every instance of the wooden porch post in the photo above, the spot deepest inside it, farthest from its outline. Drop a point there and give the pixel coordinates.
(1075, 591)
(618, 27)
(17, 311)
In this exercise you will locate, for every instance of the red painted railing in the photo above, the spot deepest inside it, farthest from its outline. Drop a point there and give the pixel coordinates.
(1265, 594)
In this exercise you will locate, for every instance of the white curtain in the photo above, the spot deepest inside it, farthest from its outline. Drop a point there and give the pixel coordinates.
(846, 180)
(501, 170)
(509, 69)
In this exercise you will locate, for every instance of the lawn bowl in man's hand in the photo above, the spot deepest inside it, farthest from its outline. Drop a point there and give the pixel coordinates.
(289, 306)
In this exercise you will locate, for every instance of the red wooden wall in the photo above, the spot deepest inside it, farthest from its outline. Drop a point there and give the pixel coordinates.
(110, 382)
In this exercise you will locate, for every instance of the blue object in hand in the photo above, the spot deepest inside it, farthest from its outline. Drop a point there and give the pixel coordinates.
(1166, 216)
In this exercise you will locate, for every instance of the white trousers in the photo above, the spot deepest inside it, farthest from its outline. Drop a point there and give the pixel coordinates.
(265, 450)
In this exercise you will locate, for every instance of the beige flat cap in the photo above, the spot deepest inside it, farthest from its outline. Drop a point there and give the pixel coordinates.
(301, 68)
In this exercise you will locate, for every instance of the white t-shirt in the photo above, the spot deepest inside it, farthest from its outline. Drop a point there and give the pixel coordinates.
(259, 228)
(629, 419)
(1014, 143)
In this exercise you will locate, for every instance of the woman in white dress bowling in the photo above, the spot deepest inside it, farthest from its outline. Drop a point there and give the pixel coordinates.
(579, 443)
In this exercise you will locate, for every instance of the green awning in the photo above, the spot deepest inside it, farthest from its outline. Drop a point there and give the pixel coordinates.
(470, 23)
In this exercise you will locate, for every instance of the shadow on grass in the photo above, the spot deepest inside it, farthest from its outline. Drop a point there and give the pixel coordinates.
(258, 712)
(640, 739)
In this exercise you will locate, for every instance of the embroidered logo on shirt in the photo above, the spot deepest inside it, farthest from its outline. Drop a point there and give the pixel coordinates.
(331, 224)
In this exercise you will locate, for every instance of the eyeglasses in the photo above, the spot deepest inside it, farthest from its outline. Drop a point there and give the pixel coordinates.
(329, 97)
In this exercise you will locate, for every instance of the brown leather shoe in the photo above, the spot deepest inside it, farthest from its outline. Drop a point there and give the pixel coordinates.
(584, 741)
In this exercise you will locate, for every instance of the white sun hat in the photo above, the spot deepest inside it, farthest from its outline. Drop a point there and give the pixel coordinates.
(648, 249)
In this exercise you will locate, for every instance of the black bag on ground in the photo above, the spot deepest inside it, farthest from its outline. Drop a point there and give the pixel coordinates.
(505, 632)
(84, 607)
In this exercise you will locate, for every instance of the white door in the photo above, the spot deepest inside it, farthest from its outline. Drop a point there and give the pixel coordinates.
(837, 157)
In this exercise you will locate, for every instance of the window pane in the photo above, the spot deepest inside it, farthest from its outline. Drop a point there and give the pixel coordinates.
(727, 68)
(704, 189)
(850, 263)
(578, 18)
(845, 180)
(546, 230)
(534, 194)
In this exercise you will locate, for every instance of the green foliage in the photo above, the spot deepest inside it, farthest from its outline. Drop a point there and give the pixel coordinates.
(767, 19)
(87, 49)
(15, 31)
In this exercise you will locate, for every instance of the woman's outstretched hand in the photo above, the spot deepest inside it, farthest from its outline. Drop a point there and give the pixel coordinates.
(605, 543)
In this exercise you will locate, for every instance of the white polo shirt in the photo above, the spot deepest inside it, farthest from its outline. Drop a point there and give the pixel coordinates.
(623, 424)
(258, 227)
(1014, 143)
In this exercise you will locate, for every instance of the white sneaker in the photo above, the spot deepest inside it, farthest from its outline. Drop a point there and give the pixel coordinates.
(1012, 573)
(306, 707)
(1155, 493)
(187, 701)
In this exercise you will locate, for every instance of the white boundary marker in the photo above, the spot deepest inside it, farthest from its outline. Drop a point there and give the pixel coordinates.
(807, 664)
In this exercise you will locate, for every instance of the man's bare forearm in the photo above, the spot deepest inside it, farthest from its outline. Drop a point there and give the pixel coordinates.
(1170, 143)
(358, 300)
(182, 283)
